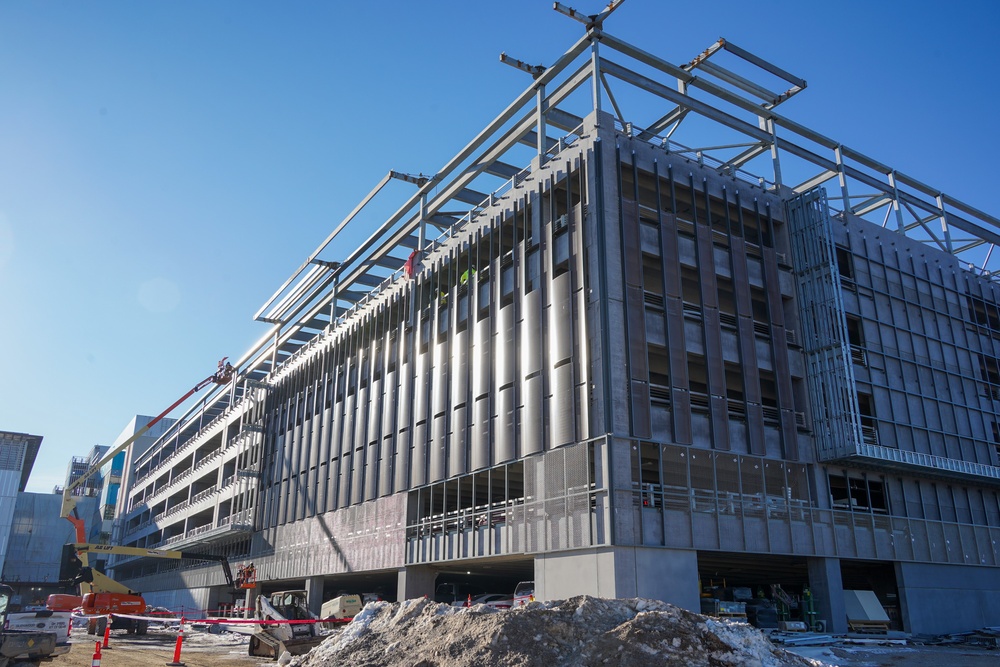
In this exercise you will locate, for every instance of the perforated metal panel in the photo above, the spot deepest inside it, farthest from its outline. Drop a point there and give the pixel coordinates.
(505, 353)
(560, 320)
(532, 429)
(458, 461)
(388, 409)
(552, 507)
(562, 408)
(460, 368)
(371, 470)
(350, 414)
(481, 363)
(418, 456)
(316, 436)
(437, 449)
(440, 371)
(480, 445)
(531, 334)
(375, 412)
(503, 426)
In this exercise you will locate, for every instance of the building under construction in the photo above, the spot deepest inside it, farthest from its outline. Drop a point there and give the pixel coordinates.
(620, 355)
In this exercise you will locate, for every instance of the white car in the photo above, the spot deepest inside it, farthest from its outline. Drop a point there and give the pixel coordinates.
(495, 600)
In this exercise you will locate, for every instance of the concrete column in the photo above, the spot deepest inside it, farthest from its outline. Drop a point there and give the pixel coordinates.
(249, 600)
(670, 575)
(586, 572)
(415, 581)
(314, 594)
(828, 593)
(213, 599)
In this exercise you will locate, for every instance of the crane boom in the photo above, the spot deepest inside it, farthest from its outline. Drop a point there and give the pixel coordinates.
(83, 549)
(221, 377)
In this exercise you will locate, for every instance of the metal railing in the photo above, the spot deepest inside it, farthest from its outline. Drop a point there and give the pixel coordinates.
(930, 461)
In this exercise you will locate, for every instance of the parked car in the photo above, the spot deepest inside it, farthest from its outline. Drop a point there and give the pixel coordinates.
(495, 600)
(371, 597)
(524, 593)
(455, 592)
(165, 617)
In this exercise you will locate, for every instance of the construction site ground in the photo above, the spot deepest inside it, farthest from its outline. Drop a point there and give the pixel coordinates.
(199, 649)
(204, 649)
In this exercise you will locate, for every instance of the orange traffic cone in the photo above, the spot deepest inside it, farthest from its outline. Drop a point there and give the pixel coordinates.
(96, 662)
(107, 632)
(177, 647)
(468, 601)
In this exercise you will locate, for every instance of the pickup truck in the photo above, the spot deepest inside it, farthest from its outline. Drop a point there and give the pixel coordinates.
(24, 648)
(47, 620)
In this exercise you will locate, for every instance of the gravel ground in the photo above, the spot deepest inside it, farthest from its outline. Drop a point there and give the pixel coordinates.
(199, 649)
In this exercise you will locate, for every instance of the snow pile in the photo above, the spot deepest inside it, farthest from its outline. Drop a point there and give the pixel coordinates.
(579, 632)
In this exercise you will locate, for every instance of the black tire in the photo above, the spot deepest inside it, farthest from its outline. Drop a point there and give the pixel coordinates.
(141, 627)
(91, 626)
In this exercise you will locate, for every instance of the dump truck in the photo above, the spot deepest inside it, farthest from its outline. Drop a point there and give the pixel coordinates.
(286, 625)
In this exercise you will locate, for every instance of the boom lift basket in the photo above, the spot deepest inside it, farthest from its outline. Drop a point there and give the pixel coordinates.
(246, 576)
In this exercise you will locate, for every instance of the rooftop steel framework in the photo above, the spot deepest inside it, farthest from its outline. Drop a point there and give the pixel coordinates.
(721, 104)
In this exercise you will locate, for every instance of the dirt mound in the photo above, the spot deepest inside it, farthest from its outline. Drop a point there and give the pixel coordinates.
(579, 632)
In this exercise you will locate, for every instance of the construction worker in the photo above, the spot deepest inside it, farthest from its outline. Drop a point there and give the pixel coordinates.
(225, 372)
(245, 575)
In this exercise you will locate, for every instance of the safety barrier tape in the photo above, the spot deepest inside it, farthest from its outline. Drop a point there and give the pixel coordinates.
(253, 621)
(226, 621)
(156, 619)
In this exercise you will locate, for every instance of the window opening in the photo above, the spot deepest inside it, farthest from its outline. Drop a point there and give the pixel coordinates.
(845, 263)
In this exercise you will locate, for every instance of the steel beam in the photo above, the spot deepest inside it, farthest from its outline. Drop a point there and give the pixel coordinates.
(326, 242)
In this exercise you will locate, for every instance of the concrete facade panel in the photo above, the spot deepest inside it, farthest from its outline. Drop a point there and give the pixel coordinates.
(939, 599)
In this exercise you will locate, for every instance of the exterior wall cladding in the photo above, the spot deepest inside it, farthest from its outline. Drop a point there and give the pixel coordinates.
(632, 371)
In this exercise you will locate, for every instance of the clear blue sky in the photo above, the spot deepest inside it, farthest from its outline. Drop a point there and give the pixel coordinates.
(164, 166)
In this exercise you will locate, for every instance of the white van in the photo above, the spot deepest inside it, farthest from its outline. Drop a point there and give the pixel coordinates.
(524, 593)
